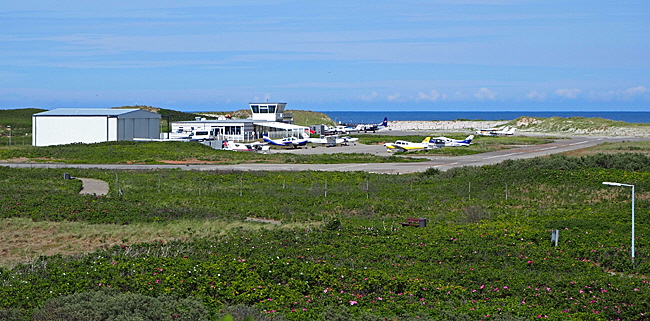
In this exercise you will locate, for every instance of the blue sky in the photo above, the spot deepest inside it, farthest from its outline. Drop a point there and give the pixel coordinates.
(437, 55)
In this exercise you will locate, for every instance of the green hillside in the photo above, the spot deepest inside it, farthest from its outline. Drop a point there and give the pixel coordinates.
(307, 118)
(173, 115)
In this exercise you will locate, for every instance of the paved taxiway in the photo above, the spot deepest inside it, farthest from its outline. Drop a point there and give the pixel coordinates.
(442, 163)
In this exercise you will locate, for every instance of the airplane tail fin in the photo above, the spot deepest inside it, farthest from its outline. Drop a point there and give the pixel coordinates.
(385, 122)
(468, 140)
(426, 140)
(511, 131)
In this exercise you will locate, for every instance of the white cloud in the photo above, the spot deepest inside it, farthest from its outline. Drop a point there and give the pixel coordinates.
(369, 97)
(393, 97)
(631, 92)
(485, 94)
(624, 95)
(568, 93)
(432, 96)
(537, 96)
(458, 96)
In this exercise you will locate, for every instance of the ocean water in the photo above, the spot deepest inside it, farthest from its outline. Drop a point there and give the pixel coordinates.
(363, 117)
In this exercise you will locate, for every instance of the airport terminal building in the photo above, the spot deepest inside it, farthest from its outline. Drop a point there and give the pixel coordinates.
(267, 118)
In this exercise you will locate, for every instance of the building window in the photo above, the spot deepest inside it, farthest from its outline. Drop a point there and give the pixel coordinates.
(264, 109)
(233, 130)
(272, 109)
(255, 108)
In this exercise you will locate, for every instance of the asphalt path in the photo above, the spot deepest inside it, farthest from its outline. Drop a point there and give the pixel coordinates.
(440, 162)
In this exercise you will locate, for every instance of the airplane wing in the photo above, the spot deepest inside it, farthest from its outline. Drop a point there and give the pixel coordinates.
(392, 147)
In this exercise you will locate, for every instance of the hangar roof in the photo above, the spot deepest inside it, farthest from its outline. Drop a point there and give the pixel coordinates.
(87, 112)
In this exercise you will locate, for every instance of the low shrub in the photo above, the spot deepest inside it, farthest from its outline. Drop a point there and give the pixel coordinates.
(108, 305)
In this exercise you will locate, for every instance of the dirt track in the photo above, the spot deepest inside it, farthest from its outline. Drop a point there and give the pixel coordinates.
(93, 186)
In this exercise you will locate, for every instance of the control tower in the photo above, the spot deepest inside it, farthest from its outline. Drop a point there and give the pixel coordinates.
(270, 112)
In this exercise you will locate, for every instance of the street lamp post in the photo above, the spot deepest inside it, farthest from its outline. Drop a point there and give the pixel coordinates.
(627, 185)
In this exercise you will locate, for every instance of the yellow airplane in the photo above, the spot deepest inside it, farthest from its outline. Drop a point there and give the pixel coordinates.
(405, 146)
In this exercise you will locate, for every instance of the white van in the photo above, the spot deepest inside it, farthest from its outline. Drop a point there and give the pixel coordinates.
(202, 134)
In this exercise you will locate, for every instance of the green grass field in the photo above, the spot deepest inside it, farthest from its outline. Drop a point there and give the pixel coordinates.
(340, 249)
(128, 152)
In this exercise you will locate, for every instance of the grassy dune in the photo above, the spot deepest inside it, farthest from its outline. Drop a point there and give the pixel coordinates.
(581, 126)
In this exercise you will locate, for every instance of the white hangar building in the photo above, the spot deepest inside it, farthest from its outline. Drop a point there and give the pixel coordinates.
(73, 125)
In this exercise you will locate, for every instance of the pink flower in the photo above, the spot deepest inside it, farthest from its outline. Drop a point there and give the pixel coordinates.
(353, 302)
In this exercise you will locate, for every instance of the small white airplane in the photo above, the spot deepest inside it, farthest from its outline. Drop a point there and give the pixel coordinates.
(242, 147)
(372, 127)
(341, 129)
(507, 131)
(345, 129)
(405, 146)
(348, 140)
(449, 142)
(333, 140)
(292, 142)
(496, 131)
